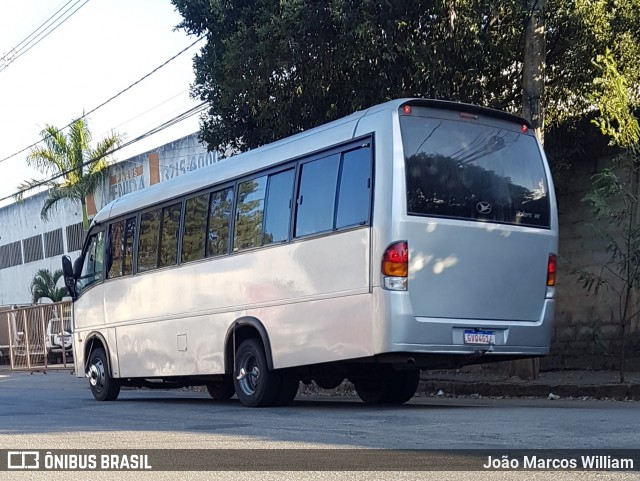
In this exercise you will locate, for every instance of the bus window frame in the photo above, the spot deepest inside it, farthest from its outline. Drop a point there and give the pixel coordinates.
(295, 164)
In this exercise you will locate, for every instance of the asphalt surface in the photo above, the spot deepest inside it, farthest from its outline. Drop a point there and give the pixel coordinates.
(57, 411)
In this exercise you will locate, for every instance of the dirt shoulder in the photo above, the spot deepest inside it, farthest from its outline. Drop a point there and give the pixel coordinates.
(576, 384)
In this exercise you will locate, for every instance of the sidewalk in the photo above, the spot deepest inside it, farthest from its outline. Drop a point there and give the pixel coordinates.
(575, 384)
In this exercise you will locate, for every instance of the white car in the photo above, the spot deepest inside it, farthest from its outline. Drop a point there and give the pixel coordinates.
(59, 338)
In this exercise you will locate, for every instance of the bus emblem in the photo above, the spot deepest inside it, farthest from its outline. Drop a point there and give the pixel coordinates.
(483, 207)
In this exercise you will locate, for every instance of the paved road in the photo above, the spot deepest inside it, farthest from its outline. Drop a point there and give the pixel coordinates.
(57, 410)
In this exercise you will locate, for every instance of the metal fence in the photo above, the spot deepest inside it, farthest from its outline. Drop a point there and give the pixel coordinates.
(40, 337)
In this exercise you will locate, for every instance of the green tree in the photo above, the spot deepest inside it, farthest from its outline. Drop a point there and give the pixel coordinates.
(614, 198)
(44, 284)
(81, 167)
(272, 68)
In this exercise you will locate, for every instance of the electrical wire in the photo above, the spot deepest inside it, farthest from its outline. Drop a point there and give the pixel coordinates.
(145, 112)
(179, 118)
(106, 101)
(40, 26)
(48, 30)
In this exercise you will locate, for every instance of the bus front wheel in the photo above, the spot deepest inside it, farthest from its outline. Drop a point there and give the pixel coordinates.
(103, 386)
(255, 384)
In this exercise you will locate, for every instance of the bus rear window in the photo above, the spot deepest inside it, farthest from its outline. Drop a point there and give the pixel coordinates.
(465, 170)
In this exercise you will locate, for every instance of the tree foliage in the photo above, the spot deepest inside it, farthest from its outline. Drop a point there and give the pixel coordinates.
(273, 68)
(45, 284)
(81, 167)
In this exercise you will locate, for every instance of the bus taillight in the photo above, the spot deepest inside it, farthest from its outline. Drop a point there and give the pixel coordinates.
(551, 270)
(395, 266)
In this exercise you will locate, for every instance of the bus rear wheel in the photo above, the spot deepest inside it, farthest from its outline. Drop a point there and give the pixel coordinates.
(387, 386)
(103, 386)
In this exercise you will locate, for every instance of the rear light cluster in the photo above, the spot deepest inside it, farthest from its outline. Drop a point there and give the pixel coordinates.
(551, 271)
(395, 266)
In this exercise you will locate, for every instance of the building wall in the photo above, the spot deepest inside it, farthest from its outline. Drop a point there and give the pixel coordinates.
(21, 222)
(587, 332)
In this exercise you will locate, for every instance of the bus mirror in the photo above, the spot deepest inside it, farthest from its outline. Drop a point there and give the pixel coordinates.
(69, 277)
(77, 267)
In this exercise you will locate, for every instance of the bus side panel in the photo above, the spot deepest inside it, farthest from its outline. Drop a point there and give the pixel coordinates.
(332, 318)
(326, 330)
(172, 347)
(179, 329)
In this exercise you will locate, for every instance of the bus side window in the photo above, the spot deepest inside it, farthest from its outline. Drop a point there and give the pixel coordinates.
(194, 228)
(278, 207)
(115, 250)
(249, 213)
(316, 196)
(129, 235)
(93, 262)
(218, 234)
(148, 240)
(169, 234)
(354, 194)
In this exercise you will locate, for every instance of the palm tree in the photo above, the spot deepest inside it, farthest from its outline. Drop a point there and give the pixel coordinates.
(71, 158)
(44, 285)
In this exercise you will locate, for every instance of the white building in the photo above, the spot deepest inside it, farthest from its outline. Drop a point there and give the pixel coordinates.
(27, 243)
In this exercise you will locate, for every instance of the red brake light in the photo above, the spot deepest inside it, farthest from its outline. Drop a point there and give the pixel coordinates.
(395, 261)
(407, 109)
(551, 271)
(525, 129)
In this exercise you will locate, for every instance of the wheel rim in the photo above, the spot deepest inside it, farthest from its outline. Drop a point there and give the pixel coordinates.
(248, 374)
(97, 375)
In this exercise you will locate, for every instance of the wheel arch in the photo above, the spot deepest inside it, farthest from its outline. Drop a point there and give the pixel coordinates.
(93, 341)
(246, 327)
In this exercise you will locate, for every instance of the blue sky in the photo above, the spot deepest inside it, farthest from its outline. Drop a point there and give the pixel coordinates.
(103, 48)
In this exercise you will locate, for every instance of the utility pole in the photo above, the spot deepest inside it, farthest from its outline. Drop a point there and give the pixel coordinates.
(532, 110)
(533, 68)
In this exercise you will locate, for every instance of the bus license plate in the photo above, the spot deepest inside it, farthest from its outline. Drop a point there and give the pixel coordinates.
(479, 337)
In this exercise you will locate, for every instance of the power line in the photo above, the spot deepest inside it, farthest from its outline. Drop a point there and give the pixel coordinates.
(179, 118)
(148, 110)
(39, 36)
(107, 101)
(41, 25)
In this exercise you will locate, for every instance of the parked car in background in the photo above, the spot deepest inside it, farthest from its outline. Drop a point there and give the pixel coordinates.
(58, 339)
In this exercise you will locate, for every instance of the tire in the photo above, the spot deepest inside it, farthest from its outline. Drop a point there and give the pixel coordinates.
(103, 386)
(288, 387)
(222, 390)
(404, 386)
(257, 386)
(387, 386)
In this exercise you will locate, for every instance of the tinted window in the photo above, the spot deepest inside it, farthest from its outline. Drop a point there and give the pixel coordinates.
(473, 171)
(249, 214)
(169, 235)
(195, 226)
(355, 187)
(278, 208)
(129, 235)
(219, 222)
(116, 250)
(148, 241)
(316, 195)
